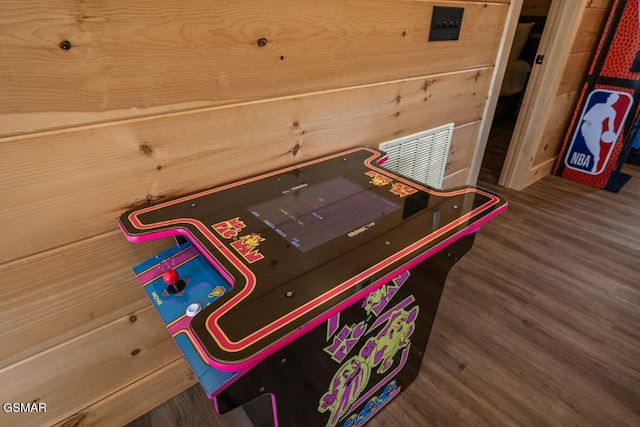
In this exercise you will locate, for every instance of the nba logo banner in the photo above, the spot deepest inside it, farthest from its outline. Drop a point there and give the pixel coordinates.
(597, 130)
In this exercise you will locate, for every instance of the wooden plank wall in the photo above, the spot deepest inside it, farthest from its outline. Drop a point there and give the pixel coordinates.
(535, 7)
(109, 105)
(582, 51)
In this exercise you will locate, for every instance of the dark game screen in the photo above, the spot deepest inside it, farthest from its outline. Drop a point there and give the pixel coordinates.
(310, 215)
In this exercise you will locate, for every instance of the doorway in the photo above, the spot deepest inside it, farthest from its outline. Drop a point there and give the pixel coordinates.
(522, 165)
(522, 58)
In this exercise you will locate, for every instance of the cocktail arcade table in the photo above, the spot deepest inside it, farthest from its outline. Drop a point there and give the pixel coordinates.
(307, 294)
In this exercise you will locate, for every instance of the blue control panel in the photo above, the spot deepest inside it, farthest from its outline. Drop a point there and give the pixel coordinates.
(200, 285)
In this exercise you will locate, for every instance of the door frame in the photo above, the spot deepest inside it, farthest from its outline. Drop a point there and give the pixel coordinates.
(556, 42)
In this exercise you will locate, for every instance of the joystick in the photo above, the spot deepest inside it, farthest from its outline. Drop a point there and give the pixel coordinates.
(174, 283)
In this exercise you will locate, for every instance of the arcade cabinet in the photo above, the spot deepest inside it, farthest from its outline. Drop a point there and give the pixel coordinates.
(307, 294)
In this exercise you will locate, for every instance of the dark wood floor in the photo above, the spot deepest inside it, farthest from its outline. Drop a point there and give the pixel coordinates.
(538, 324)
(496, 150)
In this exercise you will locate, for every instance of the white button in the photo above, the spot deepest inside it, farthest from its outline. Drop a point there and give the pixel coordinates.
(193, 309)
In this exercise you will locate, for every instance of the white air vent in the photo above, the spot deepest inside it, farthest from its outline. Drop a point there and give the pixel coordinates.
(422, 156)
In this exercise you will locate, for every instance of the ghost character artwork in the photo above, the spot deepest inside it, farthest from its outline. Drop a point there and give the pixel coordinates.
(347, 385)
(381, 350)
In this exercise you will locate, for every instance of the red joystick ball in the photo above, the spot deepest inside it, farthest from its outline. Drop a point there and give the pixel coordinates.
(170, 277)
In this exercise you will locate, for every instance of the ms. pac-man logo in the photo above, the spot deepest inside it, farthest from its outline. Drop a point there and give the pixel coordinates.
(378, 179)
(402, 190)
(597, 131)
(229, 229)
(397, 188)
(247, 247)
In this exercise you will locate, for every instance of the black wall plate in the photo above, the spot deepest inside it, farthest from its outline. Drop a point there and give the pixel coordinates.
(446, 23)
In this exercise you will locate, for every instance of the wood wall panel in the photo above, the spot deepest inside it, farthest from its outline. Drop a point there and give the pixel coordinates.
(561, 111)
(462, 147)
(87, 368)
(84, 178)
(156, 99)
(460, 154)
(602, 4)
(590, 29)
(57, 295)
(128, 403)
(456, 179)
(535, 7)
(575, 72)
(549, 147)
(556, 128)
(133, 59)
